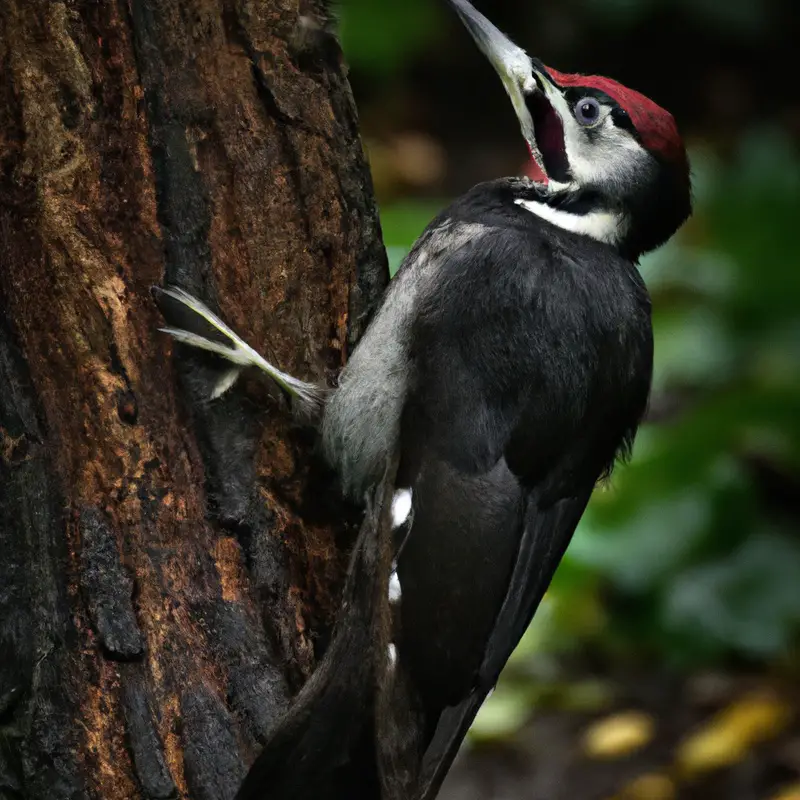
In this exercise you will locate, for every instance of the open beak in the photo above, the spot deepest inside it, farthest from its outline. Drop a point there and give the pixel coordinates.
(533, 93)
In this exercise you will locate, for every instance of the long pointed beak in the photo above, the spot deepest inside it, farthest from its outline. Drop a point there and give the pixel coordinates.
(521, 75)
(512, 63)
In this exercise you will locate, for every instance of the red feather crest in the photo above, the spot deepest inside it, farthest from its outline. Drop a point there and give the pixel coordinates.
(655, 126)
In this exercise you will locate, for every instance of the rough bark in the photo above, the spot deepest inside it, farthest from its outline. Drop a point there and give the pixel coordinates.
(169, 565)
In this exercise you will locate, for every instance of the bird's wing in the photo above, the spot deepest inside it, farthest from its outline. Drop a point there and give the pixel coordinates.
(545, 538)
(504, 371)
(500, 346)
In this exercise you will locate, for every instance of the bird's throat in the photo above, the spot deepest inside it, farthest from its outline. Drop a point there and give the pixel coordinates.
(604, 225)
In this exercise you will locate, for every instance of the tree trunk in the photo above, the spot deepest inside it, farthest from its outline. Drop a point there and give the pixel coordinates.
(170, 565)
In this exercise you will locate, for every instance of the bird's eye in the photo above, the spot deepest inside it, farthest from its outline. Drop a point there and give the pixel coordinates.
(587, 111)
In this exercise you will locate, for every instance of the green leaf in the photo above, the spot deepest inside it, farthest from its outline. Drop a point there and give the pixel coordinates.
(749, 601)
(379, 37)
(502, 715)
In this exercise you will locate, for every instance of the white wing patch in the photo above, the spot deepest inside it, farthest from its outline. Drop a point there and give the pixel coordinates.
(401, 507)
(395, 590)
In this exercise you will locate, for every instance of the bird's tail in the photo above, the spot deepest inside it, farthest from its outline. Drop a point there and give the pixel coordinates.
(323, 749)
(200, 327)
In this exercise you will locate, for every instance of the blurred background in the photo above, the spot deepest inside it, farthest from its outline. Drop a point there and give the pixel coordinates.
(664, 662)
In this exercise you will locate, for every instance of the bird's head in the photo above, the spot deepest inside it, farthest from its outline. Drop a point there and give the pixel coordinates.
(610, 148)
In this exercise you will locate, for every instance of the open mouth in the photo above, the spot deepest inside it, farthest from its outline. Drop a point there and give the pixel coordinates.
(549, 134)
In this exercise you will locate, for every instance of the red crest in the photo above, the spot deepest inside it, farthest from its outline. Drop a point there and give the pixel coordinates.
(655, 126)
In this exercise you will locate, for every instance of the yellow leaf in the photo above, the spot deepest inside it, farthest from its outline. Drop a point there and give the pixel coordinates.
(619, 735)
(728, 737)
(586, 696)
(653, 786)
(788, 793)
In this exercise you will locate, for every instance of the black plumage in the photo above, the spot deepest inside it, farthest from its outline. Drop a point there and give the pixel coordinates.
(530, 375)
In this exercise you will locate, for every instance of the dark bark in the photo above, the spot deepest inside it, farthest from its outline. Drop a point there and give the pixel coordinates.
(170, 566)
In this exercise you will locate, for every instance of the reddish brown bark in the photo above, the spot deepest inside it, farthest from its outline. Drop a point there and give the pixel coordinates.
(166, 561)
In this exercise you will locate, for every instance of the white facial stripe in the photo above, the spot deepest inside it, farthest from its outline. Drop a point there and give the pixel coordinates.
(604, 226)
(612, 155)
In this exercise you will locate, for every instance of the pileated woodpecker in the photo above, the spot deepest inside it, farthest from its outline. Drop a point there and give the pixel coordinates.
(507, 368)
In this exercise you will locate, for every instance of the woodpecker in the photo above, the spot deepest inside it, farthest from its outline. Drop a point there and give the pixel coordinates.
(507, 368)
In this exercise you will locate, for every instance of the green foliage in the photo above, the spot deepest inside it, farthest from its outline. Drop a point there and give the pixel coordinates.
(379, 37)
(402, 224)
(684, 538)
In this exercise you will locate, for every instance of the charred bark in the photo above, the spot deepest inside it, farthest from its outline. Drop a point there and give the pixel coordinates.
(170, 566)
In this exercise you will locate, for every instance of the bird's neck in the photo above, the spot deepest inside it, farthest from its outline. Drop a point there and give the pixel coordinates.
(633, 218)
(576, 210)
